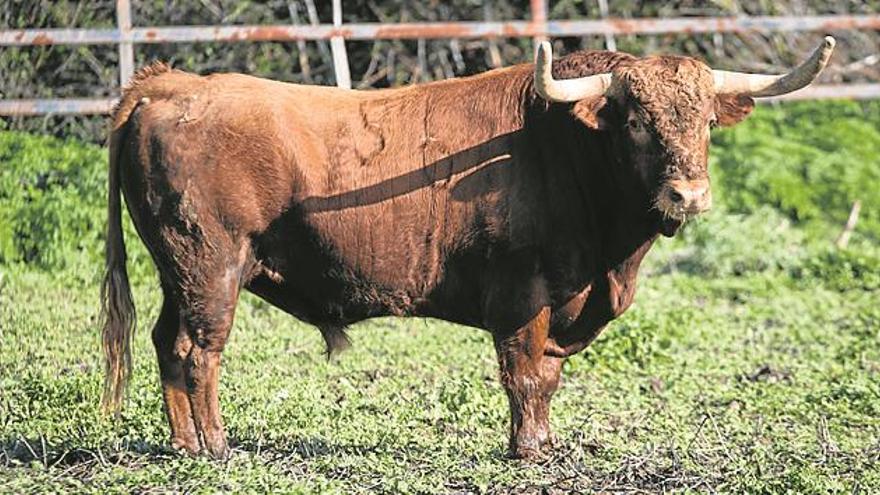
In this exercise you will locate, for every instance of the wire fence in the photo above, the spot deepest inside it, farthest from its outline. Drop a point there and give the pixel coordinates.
(539, 27)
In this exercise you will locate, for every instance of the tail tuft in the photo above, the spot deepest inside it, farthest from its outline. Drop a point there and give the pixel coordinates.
(119, 318)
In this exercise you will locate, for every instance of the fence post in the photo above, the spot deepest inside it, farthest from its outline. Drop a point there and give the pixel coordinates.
(539, 20)
(126, 49)
(610, 42)
(337, 46)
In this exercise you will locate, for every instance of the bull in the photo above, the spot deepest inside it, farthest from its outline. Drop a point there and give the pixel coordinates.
(520, 201)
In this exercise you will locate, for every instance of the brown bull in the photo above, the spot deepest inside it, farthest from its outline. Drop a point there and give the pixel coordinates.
(520, 201)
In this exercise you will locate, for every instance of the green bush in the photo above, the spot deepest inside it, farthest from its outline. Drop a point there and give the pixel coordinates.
(724, 244)
(809, 160)
(842, 269)
(51, 200)
(53, 205)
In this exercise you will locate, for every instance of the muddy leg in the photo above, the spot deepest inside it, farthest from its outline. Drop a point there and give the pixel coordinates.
(551, 367)
(529, 378)
(209, 330)
(171, 352)
(203, 375)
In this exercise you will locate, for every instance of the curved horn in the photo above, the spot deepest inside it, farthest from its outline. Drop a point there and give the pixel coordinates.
(759, 85)
(565, 89)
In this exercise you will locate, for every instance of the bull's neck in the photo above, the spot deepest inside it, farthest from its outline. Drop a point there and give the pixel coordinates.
(466, 112)
(593, 201)
(632, 230)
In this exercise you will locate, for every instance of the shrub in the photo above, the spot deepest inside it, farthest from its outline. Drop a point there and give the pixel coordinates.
(51, 199)
(53, 205)
(842, 269)
(808, 160)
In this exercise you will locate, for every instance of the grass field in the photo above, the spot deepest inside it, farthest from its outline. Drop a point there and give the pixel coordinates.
(750, 361)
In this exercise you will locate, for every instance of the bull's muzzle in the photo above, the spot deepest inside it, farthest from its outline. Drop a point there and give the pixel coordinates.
(680, 199)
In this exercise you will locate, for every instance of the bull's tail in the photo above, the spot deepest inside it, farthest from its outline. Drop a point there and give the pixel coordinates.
(117, 306)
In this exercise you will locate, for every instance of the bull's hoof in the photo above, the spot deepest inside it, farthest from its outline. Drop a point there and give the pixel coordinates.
(216, 448)
(529, 450)
(528, 455)
(220, 453)
(186, 446)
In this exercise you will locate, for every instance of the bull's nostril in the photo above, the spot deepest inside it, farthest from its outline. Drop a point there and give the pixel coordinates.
(675, 196)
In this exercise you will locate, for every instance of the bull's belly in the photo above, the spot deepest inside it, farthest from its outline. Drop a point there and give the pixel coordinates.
(340, 267)
(320, 289)
(319, 305)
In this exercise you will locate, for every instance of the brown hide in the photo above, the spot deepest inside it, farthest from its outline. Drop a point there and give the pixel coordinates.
(356, 204)
(470, 200)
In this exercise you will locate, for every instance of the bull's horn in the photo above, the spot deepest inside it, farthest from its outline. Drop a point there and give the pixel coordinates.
(766, 85)
(565, 89)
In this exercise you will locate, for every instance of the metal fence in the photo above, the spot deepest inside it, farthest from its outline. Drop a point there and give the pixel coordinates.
(539, 27)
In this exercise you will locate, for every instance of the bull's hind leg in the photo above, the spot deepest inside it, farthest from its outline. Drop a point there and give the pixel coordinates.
(208, 320)
(201, 283)
(172, 346)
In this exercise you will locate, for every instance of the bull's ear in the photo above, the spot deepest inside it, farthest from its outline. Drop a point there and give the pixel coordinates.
(731, 109)
(592, 112)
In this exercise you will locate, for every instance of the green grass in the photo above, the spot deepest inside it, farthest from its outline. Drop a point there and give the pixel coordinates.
(757, 383)
(748, 363)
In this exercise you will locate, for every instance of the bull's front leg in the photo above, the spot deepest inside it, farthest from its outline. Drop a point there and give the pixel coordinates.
(530, 378)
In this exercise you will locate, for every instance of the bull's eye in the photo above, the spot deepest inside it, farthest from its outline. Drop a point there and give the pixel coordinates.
(713, 122)
(635, 125)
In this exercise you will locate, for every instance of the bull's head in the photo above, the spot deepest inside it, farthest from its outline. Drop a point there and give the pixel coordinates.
(657, 112)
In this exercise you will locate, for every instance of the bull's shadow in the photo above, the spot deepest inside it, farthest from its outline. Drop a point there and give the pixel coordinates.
(486, 162)
(23, 451)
